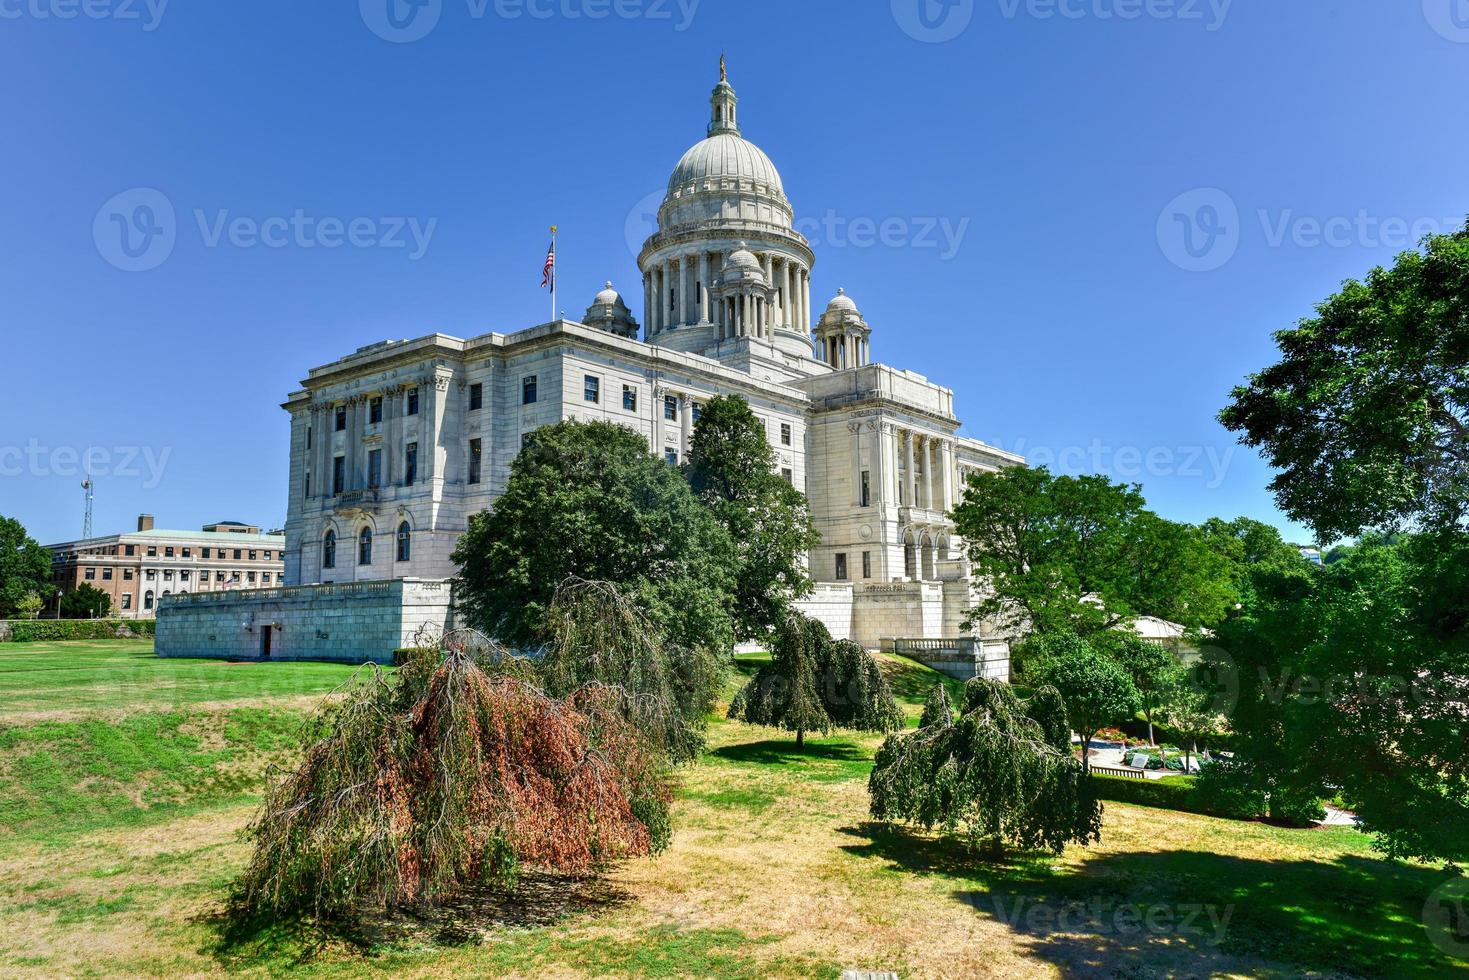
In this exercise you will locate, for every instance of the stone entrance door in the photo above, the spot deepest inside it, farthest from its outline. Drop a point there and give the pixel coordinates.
(266, 636)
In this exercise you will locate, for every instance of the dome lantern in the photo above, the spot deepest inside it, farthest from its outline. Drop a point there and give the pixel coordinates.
(842, 335)
(608, 312)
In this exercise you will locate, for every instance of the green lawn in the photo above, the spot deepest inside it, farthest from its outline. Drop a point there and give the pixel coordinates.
(83, 677)
(120, 833)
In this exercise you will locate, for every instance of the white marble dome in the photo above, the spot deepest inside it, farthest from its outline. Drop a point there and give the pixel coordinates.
(726, 156)
(841, 302)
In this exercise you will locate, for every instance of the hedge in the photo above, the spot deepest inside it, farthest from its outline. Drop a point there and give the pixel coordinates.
(1170, 793)
(35, 630)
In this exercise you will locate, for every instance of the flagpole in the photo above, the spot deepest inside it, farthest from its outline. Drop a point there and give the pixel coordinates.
(554, 270)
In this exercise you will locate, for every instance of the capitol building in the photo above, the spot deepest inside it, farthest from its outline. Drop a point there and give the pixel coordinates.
(394, 446)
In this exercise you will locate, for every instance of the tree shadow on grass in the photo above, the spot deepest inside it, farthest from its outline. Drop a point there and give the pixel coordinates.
(539, 899)
(775, 752)
(1190, 913)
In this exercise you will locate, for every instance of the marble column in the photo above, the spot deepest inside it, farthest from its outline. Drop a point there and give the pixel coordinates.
(665, 298)
(856, 428)
(879, 464)
(805, 300)
(703, 287)
(931, 472)
(686, 424)
(907, 496)
(655, 304)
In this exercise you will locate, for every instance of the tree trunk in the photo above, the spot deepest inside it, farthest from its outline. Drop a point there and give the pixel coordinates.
(800, 737)
(1148, 714)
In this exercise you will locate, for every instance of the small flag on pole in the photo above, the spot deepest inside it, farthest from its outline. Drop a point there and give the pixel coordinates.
(548, 271)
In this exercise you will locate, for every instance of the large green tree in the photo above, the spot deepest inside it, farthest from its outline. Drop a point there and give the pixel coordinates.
(1154, 671)
(1352, 679)
(25, 567)
(1002, 774)
(86, 602)
(1096, 690)
(1063, 554)
(1366, 415)
(814, 683)
(587, 500)
(731, 468)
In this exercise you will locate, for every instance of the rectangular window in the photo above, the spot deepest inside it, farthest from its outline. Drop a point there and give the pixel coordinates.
(152, 551)
(591, 389)
(339, 474)
(341, 418)
(267, 556)
(785, 433)
(670, 408)
(841, 566)
(374, 469)
(670, 456)
(308, 437)
(375, 410)
(107, 575)
(528, 390)
(127, 574)
(252, 556)
(265, 577)
(237, 554)
(412, 401)
(250, 577)
(219, 576)
(306, 494)
(698, 410)
(188, 552)
(866, 489)
(184, 575)
(168, 552)
(476, 397)
(867, 564)
(527, 439)
(130, 550)
(127, 600)
(787, 475)
(476, 458)
(410, 464)
(629, 398)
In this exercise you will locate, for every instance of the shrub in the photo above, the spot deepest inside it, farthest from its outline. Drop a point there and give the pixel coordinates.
(50, 630)
(1227, 790)
(1174, 793)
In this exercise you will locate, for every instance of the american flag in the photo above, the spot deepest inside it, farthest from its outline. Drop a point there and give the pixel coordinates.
(548, 272)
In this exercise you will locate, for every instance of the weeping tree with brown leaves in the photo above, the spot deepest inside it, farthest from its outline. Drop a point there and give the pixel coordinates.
(1001, 774)
(452, 776)
(814, 683)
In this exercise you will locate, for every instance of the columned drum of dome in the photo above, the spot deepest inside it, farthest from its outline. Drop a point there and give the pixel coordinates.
(726, 197)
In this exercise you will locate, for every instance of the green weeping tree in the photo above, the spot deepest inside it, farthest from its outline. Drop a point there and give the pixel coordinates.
(1001, 774)
(814, 683)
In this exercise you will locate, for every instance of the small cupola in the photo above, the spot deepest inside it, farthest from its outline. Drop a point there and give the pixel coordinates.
(842, 335)
(608, 312)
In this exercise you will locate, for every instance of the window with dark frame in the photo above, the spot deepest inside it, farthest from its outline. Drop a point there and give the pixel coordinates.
(341, 418)
(785, 433)
(528, 390)
(476, 459)
(670, 408)
(841, 566)
(867, 564)
(374, 468)
(412, 401)
(375, 410)
(476, 397)
(866, 489)
(339, 475)
(410, 464)
(629, 398)
(591, 389)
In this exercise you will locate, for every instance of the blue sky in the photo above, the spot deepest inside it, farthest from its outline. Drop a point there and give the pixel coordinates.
(1085, 216)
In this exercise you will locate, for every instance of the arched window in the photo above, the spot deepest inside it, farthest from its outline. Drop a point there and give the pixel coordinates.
(405, 542)
(329, 549)
(364, 546)
(147, 600)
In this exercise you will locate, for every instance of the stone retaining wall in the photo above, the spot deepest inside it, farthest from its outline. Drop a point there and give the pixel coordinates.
(349, 622)
(962, 658)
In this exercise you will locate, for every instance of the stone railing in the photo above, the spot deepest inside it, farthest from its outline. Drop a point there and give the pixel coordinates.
(343, 589)
(961, 657)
